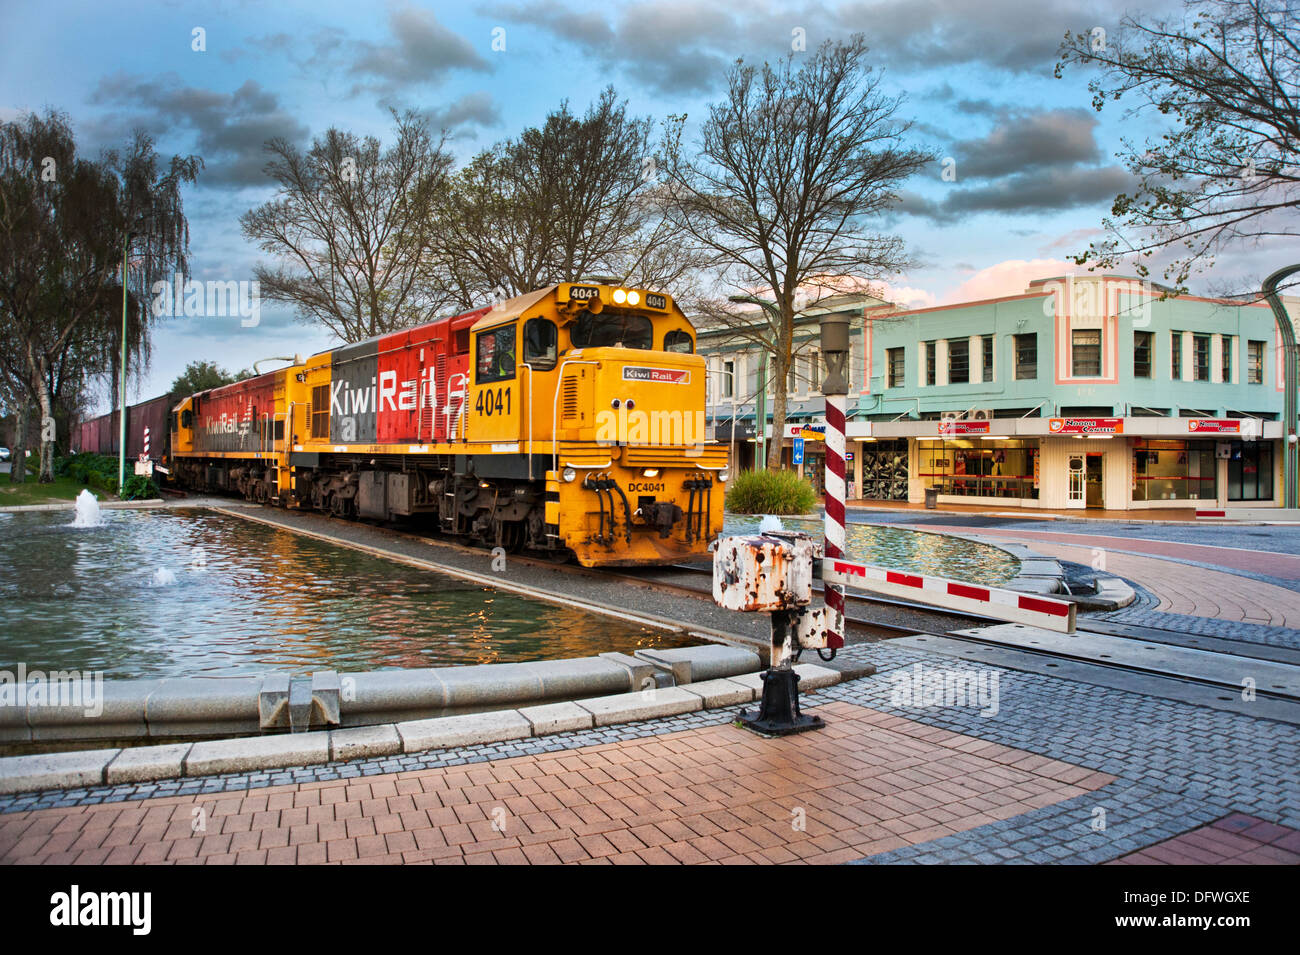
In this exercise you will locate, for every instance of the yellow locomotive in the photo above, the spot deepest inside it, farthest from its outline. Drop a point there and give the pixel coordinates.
(569, 419)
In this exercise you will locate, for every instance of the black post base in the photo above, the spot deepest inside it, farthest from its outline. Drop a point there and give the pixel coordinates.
(778, 710)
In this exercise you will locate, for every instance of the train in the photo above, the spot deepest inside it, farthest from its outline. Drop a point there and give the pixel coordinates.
(568, 421)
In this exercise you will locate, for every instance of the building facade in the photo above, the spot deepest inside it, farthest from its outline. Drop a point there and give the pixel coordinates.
(1079, 392)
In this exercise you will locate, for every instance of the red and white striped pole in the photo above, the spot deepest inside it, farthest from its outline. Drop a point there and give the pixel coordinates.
(835, 349)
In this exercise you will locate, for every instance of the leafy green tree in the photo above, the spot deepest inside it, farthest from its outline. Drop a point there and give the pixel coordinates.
(64, 224)
(203, 375)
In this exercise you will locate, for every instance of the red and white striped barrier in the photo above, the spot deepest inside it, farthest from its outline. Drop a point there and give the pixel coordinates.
(1009, 605)
(834, 547)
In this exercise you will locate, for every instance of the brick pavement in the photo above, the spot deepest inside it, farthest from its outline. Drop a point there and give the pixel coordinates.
(1238, 839)
(870, 782)
(1181, 588)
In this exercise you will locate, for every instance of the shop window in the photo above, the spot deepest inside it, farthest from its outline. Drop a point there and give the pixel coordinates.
(1225, 361)
(958, 361)
(1086, 353)
(986, 370)
(971, 467)
(1175, 355)
(1026, 356)
(930, 348)
(883, 470)
(896, 366)
(1143, 343)
(1173, 470)
(1250, 471)
(1255, 363)
(1201, 357)
(728, 379)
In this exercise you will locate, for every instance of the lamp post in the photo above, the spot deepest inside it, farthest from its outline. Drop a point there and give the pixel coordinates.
(121, 389)
(835, 388)
(761, 411)
(1290, 461)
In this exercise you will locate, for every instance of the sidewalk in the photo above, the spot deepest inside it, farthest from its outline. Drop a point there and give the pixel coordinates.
(990, 509)
(1053, 774)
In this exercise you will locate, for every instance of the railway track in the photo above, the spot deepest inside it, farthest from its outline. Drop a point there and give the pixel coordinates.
(1142, 652)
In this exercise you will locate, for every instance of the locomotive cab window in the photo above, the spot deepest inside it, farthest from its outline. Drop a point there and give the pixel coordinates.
(679, 341)
(495, 357)
(612, 329)
(541, 343)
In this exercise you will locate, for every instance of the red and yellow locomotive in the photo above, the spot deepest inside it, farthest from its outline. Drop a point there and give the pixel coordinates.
(570, 419)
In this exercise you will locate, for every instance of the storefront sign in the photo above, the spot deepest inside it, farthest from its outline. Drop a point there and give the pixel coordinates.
(964, 427)
(809, 432)
(1086, 425)
(1214, 425)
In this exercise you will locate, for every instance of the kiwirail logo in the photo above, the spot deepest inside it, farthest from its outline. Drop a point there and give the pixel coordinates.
(74, 689)
(212, 299)
(924, 687)
(76, 908)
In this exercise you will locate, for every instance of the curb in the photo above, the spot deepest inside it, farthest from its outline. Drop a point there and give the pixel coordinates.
(71, 770)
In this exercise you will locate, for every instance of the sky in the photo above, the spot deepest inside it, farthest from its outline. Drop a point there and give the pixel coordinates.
(1035, 165)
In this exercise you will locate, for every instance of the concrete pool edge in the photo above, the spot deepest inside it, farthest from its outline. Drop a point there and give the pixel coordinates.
(115, 766)
(172, 709)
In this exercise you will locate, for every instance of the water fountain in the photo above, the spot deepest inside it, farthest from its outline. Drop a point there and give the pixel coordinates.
(88, 511)
(162, 577)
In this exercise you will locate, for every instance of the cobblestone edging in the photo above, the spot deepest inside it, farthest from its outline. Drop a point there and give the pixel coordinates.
(150, 504)
(85, 777)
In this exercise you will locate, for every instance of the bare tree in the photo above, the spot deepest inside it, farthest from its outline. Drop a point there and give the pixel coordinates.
(64, 223)
(559, 202)
(1221, 84)
(351, 227)
(791, 169)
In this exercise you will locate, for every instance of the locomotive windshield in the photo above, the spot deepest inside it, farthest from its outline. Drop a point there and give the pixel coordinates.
(612, 329)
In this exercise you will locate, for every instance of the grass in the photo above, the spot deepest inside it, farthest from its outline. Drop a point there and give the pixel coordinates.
(770, 492)
(31, 491)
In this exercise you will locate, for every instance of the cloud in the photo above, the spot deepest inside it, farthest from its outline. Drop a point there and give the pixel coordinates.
(1049, 190)
(671, 46)
(422, 50)
(1011, 277)
(230, 128)
(1028, 141)
(472, 109)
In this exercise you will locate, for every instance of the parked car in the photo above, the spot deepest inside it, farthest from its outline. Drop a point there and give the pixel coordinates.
(4, 454)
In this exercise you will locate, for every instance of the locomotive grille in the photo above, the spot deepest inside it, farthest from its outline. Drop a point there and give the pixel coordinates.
(569, 399)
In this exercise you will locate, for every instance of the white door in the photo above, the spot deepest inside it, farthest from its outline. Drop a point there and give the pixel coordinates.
(1078, 490)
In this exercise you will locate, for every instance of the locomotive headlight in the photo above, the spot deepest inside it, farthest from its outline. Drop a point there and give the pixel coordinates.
(569, 474)
(650, 473)
(724, 474)
(620, 296)
(633, 298)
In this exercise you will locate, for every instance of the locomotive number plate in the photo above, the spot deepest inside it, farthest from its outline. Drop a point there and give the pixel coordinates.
(583, 293)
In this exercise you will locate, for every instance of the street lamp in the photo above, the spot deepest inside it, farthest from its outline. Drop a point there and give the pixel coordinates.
(761, 410)
(121, 390)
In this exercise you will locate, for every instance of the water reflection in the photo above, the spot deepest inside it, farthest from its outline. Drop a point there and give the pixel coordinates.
(917, 551)
(165, 593)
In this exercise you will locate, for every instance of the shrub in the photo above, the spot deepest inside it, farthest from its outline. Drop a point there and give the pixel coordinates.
(138, 488)
(770, 492)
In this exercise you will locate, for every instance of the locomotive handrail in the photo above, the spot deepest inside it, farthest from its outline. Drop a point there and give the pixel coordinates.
(525, 364)
(555, 408)
(461, 411)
